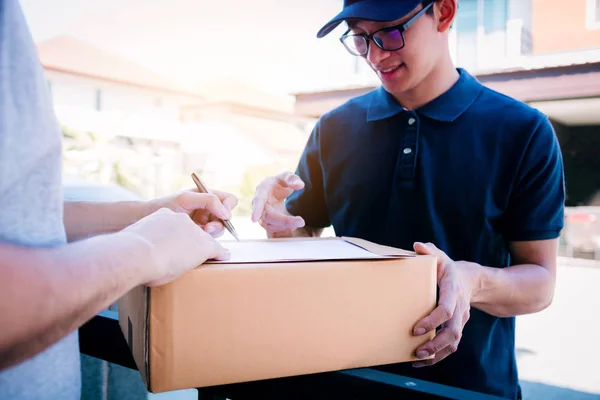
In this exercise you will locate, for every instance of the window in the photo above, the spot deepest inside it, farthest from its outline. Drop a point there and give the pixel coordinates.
(495, 15)
(492, 15)
(593, 14)
(467, 21)
(480, 27)
(468, 16)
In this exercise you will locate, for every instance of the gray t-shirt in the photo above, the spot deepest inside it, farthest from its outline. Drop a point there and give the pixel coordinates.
(30, 195)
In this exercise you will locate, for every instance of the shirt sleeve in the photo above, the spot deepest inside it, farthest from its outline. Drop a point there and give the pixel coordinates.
(536, 203)
(309, 203)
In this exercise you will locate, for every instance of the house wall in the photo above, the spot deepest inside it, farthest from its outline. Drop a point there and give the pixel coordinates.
(95, 94)
(560, 25)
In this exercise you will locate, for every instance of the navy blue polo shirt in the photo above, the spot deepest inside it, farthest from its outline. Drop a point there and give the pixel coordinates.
(470, 172)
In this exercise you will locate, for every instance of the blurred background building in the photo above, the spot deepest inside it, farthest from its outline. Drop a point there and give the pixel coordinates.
(127, 125)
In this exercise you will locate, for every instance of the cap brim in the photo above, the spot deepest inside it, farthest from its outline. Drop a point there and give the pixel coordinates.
(384, 11)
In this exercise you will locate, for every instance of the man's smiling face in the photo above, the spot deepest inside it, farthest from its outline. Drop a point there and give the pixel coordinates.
(401, 70)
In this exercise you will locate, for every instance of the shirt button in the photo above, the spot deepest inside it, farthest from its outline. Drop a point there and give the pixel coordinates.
(407, 150)
(411, 121)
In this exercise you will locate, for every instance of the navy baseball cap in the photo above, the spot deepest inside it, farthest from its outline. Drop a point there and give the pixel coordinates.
(371, 10)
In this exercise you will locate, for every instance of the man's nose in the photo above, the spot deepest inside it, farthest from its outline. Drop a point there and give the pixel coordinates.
(375, 55)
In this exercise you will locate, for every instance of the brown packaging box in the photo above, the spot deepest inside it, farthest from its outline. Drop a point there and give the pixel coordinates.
(236, 322)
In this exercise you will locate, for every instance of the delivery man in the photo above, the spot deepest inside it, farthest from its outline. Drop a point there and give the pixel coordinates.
(433, 160)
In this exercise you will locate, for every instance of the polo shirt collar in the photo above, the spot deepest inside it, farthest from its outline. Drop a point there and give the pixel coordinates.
(447, 107)
(383, 105)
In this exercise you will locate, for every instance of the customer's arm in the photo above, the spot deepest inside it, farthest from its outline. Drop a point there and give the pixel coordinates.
(84, 219)
(46, 293)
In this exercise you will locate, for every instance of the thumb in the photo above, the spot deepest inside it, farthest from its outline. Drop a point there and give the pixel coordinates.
(428, 249)
(212, 203)
(295, 182)
(290, 180)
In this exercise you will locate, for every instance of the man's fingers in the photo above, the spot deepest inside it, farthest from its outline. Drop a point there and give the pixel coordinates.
(448, 290)
(214, 228)
(443, 312)
(228, 199)
(438, 357)
(431, 250)
(216, 207)
(277, 188)
(284, 185)
(289, 180)
(274, 217)
(206, 201)
(425, 249)
(202, 218)
(450, 335)
(258, 205)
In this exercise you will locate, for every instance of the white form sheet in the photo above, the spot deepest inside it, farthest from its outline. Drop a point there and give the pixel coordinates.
(296, 250)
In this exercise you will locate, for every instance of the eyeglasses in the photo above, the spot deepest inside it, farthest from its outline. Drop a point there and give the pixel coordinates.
(387, 39)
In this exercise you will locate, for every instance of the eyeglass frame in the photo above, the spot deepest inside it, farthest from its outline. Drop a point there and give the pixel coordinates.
(400, 27)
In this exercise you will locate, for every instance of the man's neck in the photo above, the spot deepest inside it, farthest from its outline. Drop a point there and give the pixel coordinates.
(437, 82)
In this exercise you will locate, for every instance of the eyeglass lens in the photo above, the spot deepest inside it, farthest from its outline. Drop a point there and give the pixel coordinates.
(387, 39)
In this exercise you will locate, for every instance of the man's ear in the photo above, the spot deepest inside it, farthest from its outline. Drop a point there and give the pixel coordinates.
(445, 13)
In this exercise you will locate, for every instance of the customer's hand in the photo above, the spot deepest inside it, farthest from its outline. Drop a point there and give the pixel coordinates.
(176, 245)
(268, 205)
(456, 281)
(204, 209)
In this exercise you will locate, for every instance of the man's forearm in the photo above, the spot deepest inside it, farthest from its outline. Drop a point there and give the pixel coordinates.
(517, 290)
(84, 219)
(47, 293)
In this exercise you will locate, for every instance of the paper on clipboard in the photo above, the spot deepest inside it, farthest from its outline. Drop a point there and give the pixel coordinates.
(309, 249)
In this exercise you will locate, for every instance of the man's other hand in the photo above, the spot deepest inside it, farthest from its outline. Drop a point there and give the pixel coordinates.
(268, 205)
(456, 284)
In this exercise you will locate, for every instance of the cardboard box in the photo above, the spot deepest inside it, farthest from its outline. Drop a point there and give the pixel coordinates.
(236, 322)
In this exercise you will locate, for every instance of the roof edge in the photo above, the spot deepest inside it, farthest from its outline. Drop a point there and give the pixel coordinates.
(123, 82)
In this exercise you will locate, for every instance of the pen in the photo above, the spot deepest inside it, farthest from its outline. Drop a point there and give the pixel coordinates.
(203, 189)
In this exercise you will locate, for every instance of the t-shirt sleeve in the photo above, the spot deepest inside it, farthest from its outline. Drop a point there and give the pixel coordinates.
(309, 203)
(536, 204)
